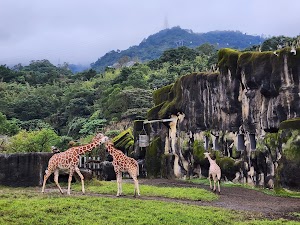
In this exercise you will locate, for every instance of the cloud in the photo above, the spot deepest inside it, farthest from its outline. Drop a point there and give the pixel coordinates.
(79, 31)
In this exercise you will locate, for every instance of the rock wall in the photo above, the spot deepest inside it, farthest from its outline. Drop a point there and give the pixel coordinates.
(28, 169)
(249, 98)
(23, 169)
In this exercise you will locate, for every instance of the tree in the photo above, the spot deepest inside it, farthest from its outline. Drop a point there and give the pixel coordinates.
(8, 75)
(33, 141)
(86, 75)
(178, 55)
(92, 125)
(31, 107)
(206, 49)
(123, 76)
(274, 43)
(8, 127)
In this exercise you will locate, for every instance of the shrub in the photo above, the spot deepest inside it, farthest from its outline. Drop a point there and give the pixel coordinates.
(33, 141)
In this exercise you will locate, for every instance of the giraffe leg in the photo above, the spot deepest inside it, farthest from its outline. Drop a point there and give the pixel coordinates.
(119, 182)
(81, 177)
(56, 174)
(209, 178)
(121, 187)
(133, 174)
(214, 184)
(46, 176)
(219, 178)
(136, 186)
(69, 180)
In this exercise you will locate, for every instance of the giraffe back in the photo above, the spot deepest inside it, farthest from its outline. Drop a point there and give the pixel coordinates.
(64, 160)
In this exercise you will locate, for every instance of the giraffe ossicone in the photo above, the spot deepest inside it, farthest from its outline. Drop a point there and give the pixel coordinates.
(69, 160)
(123, 163)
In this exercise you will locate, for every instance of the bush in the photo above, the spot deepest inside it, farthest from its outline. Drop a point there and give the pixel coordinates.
(228, 167)
(33, 141)
(8, 127)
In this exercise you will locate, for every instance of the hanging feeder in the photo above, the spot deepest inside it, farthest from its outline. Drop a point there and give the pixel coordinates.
(143, 140)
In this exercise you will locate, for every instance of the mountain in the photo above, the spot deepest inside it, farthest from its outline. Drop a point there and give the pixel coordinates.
(153, 46)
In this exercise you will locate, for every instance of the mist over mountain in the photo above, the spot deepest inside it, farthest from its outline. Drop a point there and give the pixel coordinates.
(153, 46)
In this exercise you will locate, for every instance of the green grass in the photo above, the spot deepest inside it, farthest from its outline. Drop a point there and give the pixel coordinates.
(280, 192)
(29, 206)
(110, 187)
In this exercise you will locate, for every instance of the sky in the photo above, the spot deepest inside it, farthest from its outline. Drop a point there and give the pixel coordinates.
(81, 31)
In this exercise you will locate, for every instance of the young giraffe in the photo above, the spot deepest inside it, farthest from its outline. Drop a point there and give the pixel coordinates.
(123, 163)
(69, 160)
(214, 172)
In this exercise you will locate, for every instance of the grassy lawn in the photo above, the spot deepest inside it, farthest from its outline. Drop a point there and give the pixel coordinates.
(281, 192)
(110, 187)
(30, 206)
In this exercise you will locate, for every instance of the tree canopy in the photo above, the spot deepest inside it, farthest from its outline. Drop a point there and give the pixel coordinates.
(43, 96)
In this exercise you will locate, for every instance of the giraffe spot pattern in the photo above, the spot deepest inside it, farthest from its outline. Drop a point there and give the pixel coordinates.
(121, 162)
(69, 160)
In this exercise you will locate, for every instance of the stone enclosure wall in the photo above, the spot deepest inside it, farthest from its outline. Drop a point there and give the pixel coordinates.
(23, 169)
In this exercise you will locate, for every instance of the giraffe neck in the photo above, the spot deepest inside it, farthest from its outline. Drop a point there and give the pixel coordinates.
(210, 159)
(110, 148)
(88, 147)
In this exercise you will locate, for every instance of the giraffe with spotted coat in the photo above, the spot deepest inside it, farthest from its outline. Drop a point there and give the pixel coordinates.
(123, 163)
(69, 160)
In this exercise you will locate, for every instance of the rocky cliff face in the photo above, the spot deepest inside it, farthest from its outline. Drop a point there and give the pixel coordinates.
(232, 110)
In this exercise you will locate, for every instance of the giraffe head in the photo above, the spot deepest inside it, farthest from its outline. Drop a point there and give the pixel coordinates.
(100, 138)
(206, 154)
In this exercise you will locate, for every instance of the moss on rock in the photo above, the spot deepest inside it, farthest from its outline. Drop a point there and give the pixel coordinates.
(198, 151)
(153, 112)
(161, 95)
(235, 153)
(290, 124)
(227, 59)
(172, 106)
(124, 141)
(153, 158)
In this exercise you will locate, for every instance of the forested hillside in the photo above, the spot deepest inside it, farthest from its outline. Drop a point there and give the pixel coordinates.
(48, 104)
(153, 46)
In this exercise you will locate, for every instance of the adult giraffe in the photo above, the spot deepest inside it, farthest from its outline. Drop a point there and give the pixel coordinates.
(123, 163)
(69, 160)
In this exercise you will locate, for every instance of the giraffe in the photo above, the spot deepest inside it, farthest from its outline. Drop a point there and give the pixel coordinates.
(69, 160)
(214, 172)
(123, 163)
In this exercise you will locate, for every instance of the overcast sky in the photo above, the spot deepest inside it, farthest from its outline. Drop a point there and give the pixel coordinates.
(81, 31)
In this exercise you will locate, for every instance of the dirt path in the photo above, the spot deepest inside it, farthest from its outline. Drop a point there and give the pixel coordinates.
(238, 198)
(235, 198)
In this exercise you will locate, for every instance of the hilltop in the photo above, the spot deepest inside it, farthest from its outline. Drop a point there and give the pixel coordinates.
(153, 46)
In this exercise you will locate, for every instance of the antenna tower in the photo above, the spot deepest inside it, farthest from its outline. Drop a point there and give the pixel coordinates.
(166, 23)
